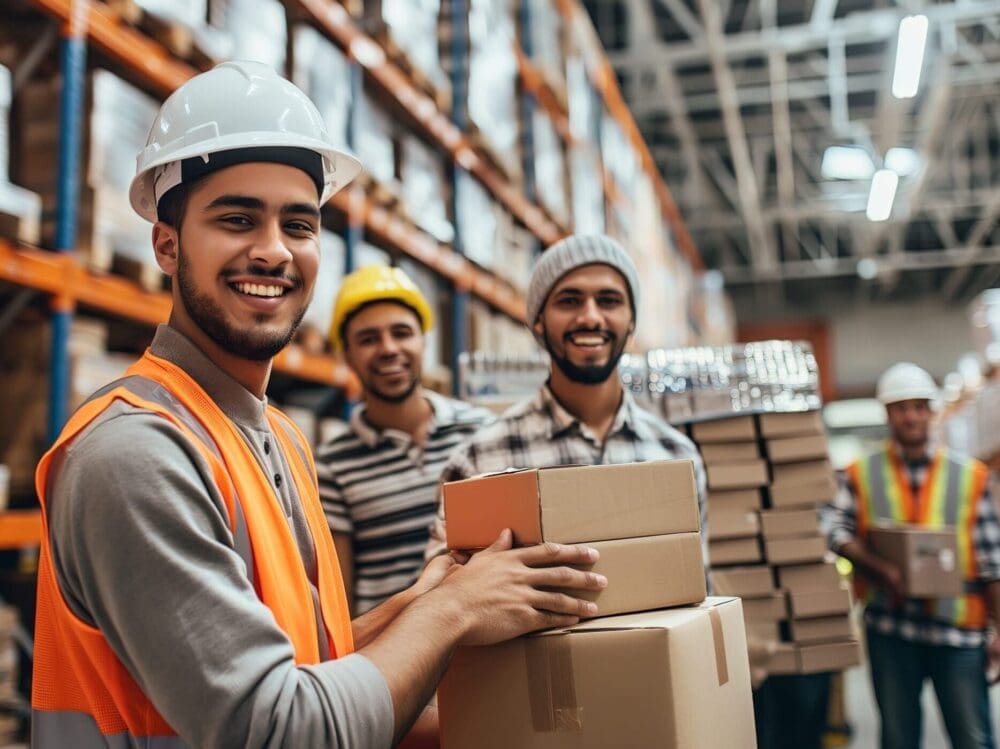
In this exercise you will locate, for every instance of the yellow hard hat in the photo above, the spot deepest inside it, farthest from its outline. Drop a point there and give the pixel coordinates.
(376, 283)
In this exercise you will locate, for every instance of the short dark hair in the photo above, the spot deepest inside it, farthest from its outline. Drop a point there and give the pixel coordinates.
(354, 313)
(172, 206)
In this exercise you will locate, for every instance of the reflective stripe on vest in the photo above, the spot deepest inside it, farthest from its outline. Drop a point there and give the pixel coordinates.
(80, 686)
(948, 497)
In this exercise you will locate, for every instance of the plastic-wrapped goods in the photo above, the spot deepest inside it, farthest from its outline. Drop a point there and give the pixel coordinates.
(414, 27)
(322, 71)
(331, 272)
(373, 140)
(477, 224)
(544, 35)
(584, 103)
(257, 27)
(617, 152)
(423, 177)
(587, 191)
(120, 119)
(191, 13)
(550, 167)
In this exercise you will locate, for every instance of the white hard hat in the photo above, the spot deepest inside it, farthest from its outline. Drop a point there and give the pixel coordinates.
(233, 107)
(905, 381)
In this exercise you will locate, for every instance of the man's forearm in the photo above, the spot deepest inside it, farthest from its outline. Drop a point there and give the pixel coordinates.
(867, 563)
(992, 590)
(372, 623)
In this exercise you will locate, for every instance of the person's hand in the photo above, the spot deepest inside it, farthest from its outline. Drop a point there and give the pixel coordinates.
(890, 580)
(503, 593)
(435, 571)
(993, 661)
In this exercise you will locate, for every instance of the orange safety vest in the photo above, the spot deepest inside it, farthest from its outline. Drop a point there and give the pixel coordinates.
(949, 496)
(82, 695)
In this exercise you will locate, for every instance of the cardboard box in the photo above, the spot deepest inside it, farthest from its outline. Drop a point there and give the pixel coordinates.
(746, 475)
(795, 550)
(801, 474)
(732, 523)
(803, 495)
(822, 629)
(729, 452)
(745, 582)
(736, 429)
(573, 504)
(784, 660)
(928, 559)
(763, 632)
(658, 679)
(809, 578)
(734, 551)
(790, 424)
(794, 449)
(787, 523)
(833, 656)
(819, 603)
(735, 499)
(645, 573)
(772, 608)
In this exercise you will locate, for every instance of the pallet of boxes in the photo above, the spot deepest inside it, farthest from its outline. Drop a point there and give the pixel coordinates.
(767, 476)
(674, 675)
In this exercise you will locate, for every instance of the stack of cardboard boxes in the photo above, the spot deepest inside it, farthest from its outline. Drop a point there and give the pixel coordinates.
(660, 678)
(767, 475)
(20, 209)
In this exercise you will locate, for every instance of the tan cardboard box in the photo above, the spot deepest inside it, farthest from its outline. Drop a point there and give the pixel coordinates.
(927, 558)
(729, 452)
(745, 582)
(734, 429)
(789, 523)
(735, 499)
(746, 475)
(809, 578)
(795, 550)
(822, 629)
(734, 551)
(794, 449)
(801, 474)
(788, 425)
(732, 523)
(658, 679)
(573, 504)
(763, 631)
(832, 656)
(772, 608)
(784, 660)
(803, 495)
(821, 603)
(645, 573)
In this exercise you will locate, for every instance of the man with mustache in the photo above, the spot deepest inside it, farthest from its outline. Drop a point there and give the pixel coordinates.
(581, 306)
(378, 479)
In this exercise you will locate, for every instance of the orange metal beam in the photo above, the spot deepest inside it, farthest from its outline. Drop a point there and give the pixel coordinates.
(20, 528)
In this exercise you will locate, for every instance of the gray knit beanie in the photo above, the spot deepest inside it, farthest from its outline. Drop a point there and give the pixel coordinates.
(571, 253)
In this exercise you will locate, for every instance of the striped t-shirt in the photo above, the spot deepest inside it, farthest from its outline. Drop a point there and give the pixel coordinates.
(382, 489)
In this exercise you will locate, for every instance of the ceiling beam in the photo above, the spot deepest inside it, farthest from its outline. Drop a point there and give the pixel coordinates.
(977, 237)
(684, 18)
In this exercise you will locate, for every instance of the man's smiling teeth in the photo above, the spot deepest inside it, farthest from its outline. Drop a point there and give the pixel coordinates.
(390, 371)
(258, 289)
(588, 340)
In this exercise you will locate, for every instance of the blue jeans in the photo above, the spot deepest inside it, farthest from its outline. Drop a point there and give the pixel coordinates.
(899, 668)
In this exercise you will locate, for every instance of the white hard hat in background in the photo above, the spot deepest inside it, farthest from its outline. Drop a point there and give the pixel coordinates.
(906, 381)
(233, 106)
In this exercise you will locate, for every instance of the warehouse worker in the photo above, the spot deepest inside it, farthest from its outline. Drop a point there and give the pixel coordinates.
(913, 480)
(581, 306)
(378, 480)
(189, 592)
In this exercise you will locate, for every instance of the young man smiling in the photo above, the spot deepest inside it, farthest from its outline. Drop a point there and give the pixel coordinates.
(189, 592)
(378, 480)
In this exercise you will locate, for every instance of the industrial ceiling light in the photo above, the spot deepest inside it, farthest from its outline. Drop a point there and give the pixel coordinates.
(867, 268)
(909, 56)
(903, 161)
(883, 193)
(846, 162)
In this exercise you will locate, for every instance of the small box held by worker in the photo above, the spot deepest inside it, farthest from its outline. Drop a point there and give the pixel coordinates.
(927, 558)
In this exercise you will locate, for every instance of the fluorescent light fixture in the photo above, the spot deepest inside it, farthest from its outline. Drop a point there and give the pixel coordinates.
(867, 268)
(847, 162)
(909, 56)
(903, 161)
(883, 192)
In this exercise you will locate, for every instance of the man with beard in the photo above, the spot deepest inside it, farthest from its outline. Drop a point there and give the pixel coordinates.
(581, 306)
(378, 479)
(914, 480)
(188, 588)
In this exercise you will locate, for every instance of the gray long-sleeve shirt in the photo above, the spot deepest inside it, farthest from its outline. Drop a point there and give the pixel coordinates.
(143, 551)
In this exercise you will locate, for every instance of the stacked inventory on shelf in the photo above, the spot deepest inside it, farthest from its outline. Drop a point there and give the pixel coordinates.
(20, 209)
(767, 476)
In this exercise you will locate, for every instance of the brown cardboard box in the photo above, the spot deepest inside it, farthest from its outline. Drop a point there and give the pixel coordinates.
(786, 523)
(734, 551)
(927, 558)
(648, 573)
(745, 582)
(795, 550)
(822, 629)
(801, 474)
(732, 523)
(803, 495)
(735, 499)
(573, 504)
(809, 578)
(787, 425)
(658, 679)
(772, 608)
(794, 449)
(821, 603)
(729, 452)
(784, 660)
(734, 429)
(744, 475)
(832, 656)
(763, 631)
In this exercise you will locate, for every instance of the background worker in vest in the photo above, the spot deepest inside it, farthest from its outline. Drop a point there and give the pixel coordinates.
(189, 593)
(911, 480)
(581, 304)
(378, 480)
